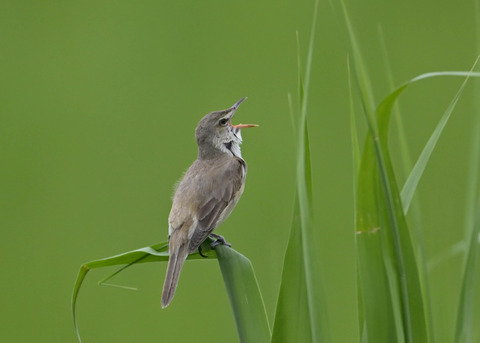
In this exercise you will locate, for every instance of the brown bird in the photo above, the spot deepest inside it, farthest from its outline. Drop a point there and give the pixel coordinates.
(208, 192)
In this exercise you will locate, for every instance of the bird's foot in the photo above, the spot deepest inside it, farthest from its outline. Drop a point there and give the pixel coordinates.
(219, 241)
(200, 251)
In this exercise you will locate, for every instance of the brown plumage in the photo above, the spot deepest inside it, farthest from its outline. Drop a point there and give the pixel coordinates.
(208, 192)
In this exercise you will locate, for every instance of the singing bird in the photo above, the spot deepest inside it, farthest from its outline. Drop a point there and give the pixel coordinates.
(208, 192)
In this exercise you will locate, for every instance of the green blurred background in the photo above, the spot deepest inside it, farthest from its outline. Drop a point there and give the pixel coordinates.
(98, 105)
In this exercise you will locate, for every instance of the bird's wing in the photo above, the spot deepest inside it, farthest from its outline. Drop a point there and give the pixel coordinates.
(218, 199)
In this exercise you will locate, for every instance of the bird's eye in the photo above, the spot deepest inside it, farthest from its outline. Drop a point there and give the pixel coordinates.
(223, 122)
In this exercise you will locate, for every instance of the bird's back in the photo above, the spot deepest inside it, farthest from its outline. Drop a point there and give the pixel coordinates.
(206, 196)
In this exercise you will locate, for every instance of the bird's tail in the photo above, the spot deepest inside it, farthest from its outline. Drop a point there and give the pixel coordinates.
(178, 255)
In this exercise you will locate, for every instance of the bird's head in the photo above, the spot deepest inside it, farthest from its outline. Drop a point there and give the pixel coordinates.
(216, 134)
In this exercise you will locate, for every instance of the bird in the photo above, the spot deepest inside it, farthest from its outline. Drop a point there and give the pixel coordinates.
(207, 193)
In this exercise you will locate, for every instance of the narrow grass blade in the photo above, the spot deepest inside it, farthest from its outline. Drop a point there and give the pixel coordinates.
(301, 312)
(292, 115)
(154, 253)
(353, 129)
(474, 159)
(468, 316)
(417, 171)
(356, 158)
(245, 297)
(362, 77)
(404, 268)
(313, 279)
(292, 317)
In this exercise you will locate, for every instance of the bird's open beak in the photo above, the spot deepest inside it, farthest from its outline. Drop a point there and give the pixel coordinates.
(243, 126)
(234, 108)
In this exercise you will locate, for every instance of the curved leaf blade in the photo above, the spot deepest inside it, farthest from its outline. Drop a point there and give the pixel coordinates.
(385, 110)
(154, 253)
(244, 295)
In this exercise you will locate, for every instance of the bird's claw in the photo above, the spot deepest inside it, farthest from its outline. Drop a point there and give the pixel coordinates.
(200, 251)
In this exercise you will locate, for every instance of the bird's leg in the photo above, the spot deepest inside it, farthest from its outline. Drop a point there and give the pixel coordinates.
(200, 251)
(219, 240)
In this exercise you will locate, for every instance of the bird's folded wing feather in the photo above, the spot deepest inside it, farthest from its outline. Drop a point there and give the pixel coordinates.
(226, 181)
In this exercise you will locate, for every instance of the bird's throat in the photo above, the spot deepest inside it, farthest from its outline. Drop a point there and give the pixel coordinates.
(233, 148)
